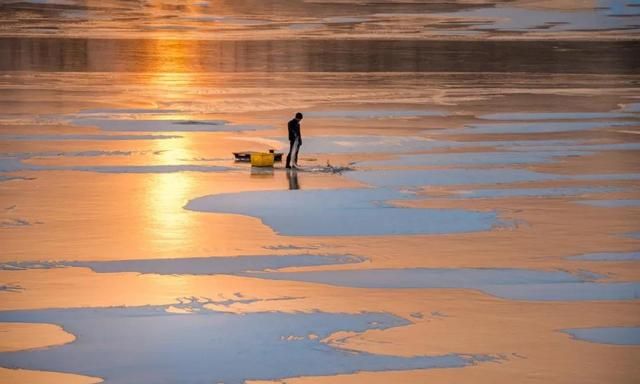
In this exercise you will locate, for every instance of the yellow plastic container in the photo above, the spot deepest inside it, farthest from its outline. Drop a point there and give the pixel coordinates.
(262, 159)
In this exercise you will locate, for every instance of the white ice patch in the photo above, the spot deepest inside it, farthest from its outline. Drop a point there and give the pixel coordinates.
(343, 212)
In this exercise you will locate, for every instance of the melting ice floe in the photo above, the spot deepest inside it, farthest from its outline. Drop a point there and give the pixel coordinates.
(608, 256)
(557, 116)
(372, 144)
(196, 265)
(514, 284)
(611, 203)
(514, 192)
(343, 212)
(115, 344)
(411, 178)
(537, 127)
(607, 335)
(470, 158)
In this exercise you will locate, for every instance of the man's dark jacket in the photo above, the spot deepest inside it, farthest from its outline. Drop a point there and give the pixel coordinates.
(294, 130)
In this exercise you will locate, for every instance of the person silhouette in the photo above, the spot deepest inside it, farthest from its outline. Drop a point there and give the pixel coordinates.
(295, 141)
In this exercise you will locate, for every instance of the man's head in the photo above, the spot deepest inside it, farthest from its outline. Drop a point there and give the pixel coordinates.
(299, 116)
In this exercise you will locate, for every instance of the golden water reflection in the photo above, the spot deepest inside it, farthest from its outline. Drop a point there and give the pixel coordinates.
(167, 193)
(169, 223)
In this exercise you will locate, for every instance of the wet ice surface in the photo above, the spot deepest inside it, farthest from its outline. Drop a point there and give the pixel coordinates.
(372, 144)
(605, 16)
(633, 107)
(375, 114)
(229, 19)
(611, 203)
(448, 177)
(540, 127)
(82, 137)
(608, 256)
(196, 266)
(471, 158)
(416, 178)
(15, 164)
(377, 97)
(607, 335)
(348, 212)
(558, 116)
(571, 147)
(513, 192)
(166, 125)
(514, 284)
(149, 345)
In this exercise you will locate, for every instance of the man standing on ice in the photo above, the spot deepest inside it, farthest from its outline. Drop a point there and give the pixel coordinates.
(295, 141)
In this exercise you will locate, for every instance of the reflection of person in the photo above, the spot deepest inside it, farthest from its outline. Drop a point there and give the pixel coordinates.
(292, 176)
(295, 141)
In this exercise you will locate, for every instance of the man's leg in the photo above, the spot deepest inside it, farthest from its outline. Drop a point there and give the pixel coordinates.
(296, 149)
(288, 164)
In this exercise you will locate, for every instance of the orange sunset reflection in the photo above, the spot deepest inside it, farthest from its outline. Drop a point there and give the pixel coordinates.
(170, 81)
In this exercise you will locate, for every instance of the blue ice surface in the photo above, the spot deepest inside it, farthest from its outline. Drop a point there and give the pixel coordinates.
(557, 116)
(570, 149)
(196, 265)
(520, 19)
(633, 107)
(147, 345)
(513, 284)
(611, 203)
(608, 256)
(607, 335)
(375, 114)
(425, 177)
(539, 127)
(372, 144)
(342, 212)
(397, 178)
(564, 146)
(558, 191)
(609, 176)
(122, 125)
(620, 7)
(432, 159)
